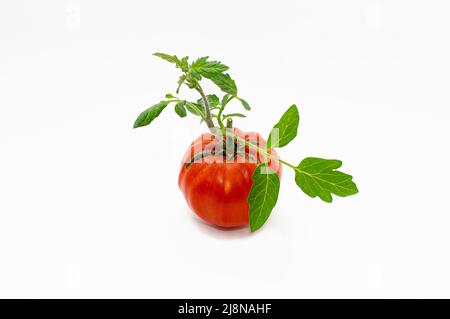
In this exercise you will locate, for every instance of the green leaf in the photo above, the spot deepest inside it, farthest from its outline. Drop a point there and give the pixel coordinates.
(285, 130)
(168, 58)
(225, 99)
(207, 68)
(225, 83)
(195, 109)
(234, 115)
(184, 65)
(146, 117)
(263, 196)
(199, 62)
(181, 64)
(180, 109)
(212, 99)
(169, 96)
(318, 177)
(195, 75)
(245, 104)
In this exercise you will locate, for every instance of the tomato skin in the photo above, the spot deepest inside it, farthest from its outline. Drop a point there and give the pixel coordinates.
(217, 190)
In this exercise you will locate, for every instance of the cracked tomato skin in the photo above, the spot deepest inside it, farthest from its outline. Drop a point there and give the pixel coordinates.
(217, 189)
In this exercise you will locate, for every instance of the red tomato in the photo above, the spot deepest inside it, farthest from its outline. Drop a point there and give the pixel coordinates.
(215, 188)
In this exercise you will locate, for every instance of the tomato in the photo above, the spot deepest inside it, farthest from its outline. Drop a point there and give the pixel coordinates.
(215, 188)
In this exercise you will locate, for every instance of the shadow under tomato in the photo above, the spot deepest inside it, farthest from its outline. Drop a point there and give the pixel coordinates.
(217, 231)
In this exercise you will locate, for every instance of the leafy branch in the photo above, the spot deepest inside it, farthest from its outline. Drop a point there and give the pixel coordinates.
(208, 107)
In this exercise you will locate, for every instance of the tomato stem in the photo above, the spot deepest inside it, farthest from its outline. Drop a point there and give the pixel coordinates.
(208, 118)
(221, 125)
(262, 151)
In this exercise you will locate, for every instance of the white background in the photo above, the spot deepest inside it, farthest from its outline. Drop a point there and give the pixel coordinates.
(90, 207)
